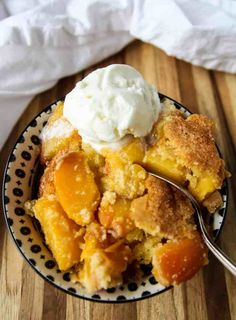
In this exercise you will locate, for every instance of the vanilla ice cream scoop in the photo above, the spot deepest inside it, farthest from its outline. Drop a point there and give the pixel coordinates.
(110, 104)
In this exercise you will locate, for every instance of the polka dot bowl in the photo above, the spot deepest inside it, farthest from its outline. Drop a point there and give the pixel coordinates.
(20, 184)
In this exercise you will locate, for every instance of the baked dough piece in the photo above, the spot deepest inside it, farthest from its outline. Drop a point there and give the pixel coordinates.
(103, 260)
(114, 214)
(184, 150)
(144, 250)
(95, 160)
(163, 211)
(57, 135)
(46, 185)
(122, 172)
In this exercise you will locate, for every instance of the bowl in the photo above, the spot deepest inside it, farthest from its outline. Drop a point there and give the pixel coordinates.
(20, 183)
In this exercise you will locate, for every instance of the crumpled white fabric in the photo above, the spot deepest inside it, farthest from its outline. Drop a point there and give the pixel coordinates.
(42, 41)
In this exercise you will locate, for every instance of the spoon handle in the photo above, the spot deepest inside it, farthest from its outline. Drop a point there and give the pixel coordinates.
(212, 246)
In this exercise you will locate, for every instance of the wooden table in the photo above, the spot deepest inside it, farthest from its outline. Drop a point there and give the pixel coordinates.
(211, 294)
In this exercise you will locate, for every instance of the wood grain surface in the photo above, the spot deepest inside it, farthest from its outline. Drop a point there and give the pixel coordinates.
(211, 294)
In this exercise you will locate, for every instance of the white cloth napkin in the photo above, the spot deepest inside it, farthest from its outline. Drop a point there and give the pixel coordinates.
(44, 40)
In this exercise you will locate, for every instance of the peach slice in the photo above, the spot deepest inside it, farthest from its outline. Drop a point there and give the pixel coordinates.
(178, 261)
(76, 189)
(63, 236)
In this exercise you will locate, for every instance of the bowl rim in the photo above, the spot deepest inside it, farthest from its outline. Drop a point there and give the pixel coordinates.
(178, 105)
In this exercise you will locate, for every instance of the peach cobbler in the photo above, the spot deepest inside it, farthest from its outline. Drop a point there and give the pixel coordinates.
(100, 211)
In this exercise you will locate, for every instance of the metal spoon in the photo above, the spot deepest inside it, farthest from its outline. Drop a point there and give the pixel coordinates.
(218, 253)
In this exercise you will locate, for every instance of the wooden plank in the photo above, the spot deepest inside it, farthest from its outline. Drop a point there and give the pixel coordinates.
(196, 301)
(167, 75)
(77, 309)
(210, 103)
(54, 303)
(180, 302)
(158, 307)
(216, 290)
(226, 87)
(186, 86)
(32, 292)
(10, 279)
(142, 58)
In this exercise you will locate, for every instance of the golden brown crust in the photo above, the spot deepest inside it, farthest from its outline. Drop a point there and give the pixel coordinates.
(213, 202)
(166, 114)
(184, 149)
(46, 185)
(192, 140)
(163, 211)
